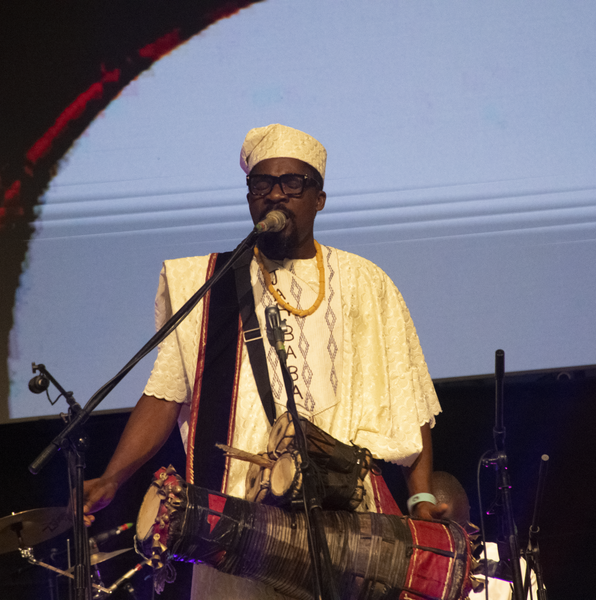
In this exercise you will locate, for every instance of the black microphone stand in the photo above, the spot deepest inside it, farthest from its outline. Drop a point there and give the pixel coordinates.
(78, 416)
(75, 444)
(317, 542)
(532, 553)
(499, 460)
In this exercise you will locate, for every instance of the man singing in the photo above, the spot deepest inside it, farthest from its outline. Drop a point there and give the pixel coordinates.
(353, 352)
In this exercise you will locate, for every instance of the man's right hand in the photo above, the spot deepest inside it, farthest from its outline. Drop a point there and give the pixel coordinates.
(97, 494)
(148, 427)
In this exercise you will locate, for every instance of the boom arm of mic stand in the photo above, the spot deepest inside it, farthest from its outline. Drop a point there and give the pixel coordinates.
(56, 444)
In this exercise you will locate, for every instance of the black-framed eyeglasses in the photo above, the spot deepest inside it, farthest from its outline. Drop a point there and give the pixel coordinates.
(292, 184)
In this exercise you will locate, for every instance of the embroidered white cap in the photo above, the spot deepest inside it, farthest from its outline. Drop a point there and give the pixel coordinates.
(279, 141)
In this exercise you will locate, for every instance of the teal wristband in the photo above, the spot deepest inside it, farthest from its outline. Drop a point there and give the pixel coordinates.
(417, 498)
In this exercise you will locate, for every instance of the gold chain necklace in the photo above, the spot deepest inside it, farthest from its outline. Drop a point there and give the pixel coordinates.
(280, 300)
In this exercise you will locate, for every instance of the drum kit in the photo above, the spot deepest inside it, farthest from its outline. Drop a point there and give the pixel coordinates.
(22, 531)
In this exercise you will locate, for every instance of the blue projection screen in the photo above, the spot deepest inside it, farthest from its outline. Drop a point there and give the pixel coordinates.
(462, 150)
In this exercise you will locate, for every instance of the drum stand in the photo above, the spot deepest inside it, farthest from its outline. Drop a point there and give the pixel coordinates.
(27, 554)
(317, 542)
(101, 591)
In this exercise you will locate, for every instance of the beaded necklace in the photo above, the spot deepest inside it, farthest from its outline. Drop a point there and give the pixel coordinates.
(280, 300)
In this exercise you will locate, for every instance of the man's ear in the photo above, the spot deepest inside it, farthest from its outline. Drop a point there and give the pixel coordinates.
(321, 198)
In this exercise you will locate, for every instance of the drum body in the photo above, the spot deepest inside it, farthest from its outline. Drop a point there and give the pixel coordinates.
(336, 490)
(327, 452)
(339, 469)
(374, 556)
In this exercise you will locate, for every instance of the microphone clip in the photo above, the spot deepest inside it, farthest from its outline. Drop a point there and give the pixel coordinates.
(40, 383)
(278, 329)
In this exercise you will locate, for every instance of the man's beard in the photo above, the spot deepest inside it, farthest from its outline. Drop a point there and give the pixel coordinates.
(278, 245)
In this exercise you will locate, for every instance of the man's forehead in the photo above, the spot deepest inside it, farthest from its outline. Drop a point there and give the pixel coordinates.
(279, 166)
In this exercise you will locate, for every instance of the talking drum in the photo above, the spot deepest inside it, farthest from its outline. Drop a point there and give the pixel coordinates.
(374, 556)
(339, 468)
(338, 491)
(258, 483)
(324, 450)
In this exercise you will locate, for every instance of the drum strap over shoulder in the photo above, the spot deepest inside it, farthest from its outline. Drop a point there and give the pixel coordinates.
(218, 366)
(252, 334)
(215, 381)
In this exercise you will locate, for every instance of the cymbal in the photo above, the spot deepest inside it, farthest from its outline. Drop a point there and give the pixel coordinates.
(99, 557)
(31, 527)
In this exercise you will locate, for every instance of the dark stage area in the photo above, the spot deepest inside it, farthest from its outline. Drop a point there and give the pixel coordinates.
(550, 413)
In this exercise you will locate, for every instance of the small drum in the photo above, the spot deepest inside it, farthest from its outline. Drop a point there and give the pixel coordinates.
(338, 491)
(340, 468)
(374, 556)
(258, 483)
(327, 452)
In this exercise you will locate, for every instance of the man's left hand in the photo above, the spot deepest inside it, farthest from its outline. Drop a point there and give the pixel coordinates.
(429, 511)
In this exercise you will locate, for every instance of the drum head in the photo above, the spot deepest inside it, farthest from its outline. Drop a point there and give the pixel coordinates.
(148, 513)
(281, 436)
(286, 477)
(257, 483)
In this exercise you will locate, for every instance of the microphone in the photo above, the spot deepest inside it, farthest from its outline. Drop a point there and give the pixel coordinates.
(106, 535)
(274, 221)
(39, 384)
